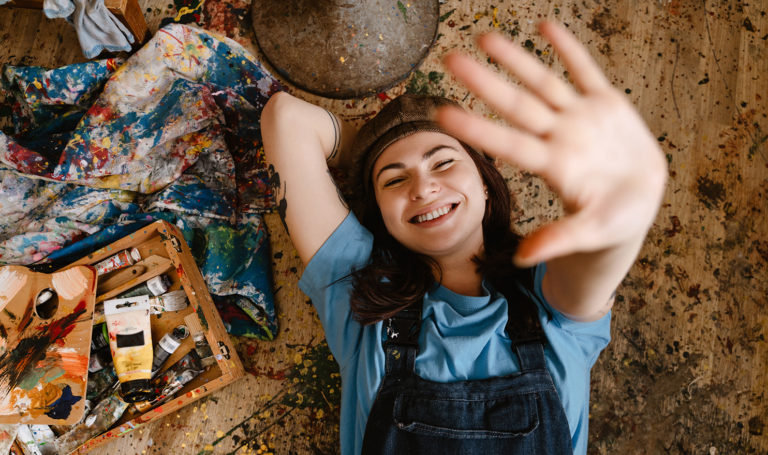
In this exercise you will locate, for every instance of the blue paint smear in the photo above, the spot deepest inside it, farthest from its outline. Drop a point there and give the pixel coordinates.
(61, 408)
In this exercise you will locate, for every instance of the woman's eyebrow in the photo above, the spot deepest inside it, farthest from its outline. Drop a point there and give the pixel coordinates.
(425, 156)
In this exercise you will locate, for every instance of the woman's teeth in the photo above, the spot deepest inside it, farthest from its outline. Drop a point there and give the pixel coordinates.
(433, 214)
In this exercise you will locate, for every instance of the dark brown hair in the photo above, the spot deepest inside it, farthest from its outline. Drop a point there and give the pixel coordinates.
(396, 277)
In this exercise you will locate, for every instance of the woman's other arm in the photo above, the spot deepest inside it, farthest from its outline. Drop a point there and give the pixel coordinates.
(299, 138)
(591, 147)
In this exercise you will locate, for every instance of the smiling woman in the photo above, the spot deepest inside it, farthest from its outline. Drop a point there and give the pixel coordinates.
(452, 333)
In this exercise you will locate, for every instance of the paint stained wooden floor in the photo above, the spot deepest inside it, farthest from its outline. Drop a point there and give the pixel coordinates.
(687, 369)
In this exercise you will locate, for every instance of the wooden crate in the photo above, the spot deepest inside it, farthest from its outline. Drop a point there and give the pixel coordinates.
(161, 240)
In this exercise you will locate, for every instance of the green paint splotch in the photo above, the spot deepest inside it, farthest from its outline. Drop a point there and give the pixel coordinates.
(426, 84)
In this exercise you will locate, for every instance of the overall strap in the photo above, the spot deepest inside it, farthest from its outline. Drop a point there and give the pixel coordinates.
(523, 325)
(401, 345)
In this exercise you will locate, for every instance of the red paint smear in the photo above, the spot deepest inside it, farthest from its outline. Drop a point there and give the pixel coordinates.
(102, 113)
(177, 40)
(64, 326)
(100, 153)
(94, 277)
(26, 160)
(180, 270)
(383, 96)
(269, 373)
(26, 318)
(112, 64)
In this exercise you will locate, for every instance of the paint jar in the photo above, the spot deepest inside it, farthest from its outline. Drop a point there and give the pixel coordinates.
(170, 381)
(153, 286)
(125, 258)
(167, 346)
(130, 341)
(103, 416)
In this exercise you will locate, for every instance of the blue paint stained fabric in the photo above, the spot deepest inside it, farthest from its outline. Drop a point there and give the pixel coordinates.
(100, 149)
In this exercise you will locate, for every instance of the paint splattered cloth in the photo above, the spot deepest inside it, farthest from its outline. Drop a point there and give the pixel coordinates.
(103, 148)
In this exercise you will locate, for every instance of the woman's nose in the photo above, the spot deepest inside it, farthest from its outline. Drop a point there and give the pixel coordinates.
(423, 186)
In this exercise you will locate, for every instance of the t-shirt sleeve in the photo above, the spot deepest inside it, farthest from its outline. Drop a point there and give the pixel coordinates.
(326, 282)
(592, 337)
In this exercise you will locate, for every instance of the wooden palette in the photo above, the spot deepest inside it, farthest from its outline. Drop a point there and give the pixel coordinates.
(44, 348)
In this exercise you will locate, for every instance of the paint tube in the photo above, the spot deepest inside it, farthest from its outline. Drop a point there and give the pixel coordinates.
(37, 439)
(201, 343)
(130, 341)
(125, 258)
(153, 286)
(103, 416)
(170, 381)
(100, 355)
(167, 346)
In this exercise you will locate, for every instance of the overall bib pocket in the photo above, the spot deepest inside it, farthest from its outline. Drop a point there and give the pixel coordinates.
(513, 416)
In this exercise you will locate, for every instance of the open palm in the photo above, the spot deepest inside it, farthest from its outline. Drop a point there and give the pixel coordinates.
(589, 145)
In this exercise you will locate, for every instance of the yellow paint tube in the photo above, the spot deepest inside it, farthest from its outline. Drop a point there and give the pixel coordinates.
(130, 341)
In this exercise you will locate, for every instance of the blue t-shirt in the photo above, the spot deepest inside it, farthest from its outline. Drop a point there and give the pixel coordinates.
(461, 338)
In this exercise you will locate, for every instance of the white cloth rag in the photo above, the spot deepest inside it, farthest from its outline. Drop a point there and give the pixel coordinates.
(97, 28)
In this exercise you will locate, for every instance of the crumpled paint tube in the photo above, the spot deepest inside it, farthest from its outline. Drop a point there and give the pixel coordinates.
(103, 416)
(37, 439)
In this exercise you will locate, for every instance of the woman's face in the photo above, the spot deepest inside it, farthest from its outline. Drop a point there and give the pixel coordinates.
(431, 195)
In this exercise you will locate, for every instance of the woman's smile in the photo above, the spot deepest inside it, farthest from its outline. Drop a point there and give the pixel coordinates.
(434, 216)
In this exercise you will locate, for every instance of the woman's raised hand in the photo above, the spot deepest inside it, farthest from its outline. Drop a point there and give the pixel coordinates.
(590, 145)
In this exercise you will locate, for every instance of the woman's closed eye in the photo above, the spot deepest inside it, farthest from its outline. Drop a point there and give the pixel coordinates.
(443, 164)
(393, 181)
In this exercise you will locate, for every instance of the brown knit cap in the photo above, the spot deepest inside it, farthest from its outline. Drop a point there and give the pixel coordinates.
(405, 115)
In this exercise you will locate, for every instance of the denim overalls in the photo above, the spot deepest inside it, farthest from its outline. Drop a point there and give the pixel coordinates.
(516, 414)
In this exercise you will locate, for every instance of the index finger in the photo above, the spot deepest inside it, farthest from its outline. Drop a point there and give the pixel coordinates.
(587, 76)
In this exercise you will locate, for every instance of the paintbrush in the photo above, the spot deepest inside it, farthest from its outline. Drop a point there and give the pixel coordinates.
(170, 301)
